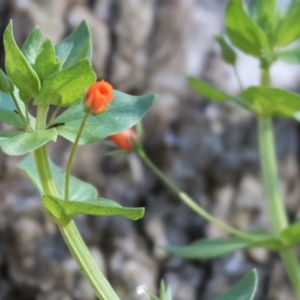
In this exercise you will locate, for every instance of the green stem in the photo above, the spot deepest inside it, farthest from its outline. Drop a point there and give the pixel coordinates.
(238, 77)
(69, 232)
(26, 125)
(275, 203)
(53, 115)
(190, 202)
(72, 154)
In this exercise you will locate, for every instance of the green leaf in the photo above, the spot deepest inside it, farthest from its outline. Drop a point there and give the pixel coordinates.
(17, 67)
(290, 236)
(20, 143)
(46, 62)
(75, 47)
(211, 92)
(228, 53)
(244, 290)
(291, 56)
(78, 189)
(8, 112)
(32, 45)
(288, 28)
(67, 87)
(266, 15)
(6, 85)
(270, 101)
(118, 152)
(164, 293)
(66, 210)
(211, 248)
(122, 113)
(243, 32)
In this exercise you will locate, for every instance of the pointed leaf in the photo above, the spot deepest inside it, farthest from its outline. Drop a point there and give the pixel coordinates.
(270, 101)
(211, 92)
(46, 63)
(32, 45)
(17, 67)
(228, 53)
(122, 113)
(75, 47)
(24, 142)
(288, 29)
(291, 56)
(67, 87)
(244, 290)
(78, 189)
(266, 15)
(6, 85)
(243, 32)
(65, 210)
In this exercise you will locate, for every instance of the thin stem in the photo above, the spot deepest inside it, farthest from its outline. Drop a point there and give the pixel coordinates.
(54, 115)
(27, 113)
(238, 77)
(72, 154)
(190, 202)
(26, 125)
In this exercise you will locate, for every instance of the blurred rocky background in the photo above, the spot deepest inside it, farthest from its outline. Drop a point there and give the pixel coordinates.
(208, 149)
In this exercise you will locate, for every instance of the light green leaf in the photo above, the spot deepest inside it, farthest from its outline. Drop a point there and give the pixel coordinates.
(211, 248)
(17, 67)
(8, 112)
(46, 62)
(290, 236)
(270, 101)
(6, 85)
(67, 87)
(288, 28)
(266, 15)
(20, 143)
(245, 289)
(75, 47)
(243, 32)
(291, 55)
(228, 53)
(63, 211)
(211, 92)
(78, 189)
(32, 45)
(122, 113)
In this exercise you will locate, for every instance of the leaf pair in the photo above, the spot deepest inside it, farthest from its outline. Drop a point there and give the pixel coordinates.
(264, 101)
(83, 197)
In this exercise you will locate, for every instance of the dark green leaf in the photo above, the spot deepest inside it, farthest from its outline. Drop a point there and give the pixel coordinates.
(32, 45)
(228, 53)
(244, 290)
(291, 55)
(122, 113)
(270, 101)
(243, 32)
(67, 87)
(75, 47)
(78, 189)
(6, 85)
(46, 62)
(288, 28)
(211, 92)
(24, 142)
(17, 67)
(8, 113)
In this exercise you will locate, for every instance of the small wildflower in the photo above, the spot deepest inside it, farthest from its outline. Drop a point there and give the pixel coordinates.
(98, 96)
(141, 289)
(123, 139)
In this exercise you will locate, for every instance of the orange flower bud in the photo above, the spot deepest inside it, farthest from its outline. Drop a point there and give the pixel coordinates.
(98, 96)
(123, 139)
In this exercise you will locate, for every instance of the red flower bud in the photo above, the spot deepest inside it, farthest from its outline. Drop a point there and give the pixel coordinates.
(123, 139)
(98, 96)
